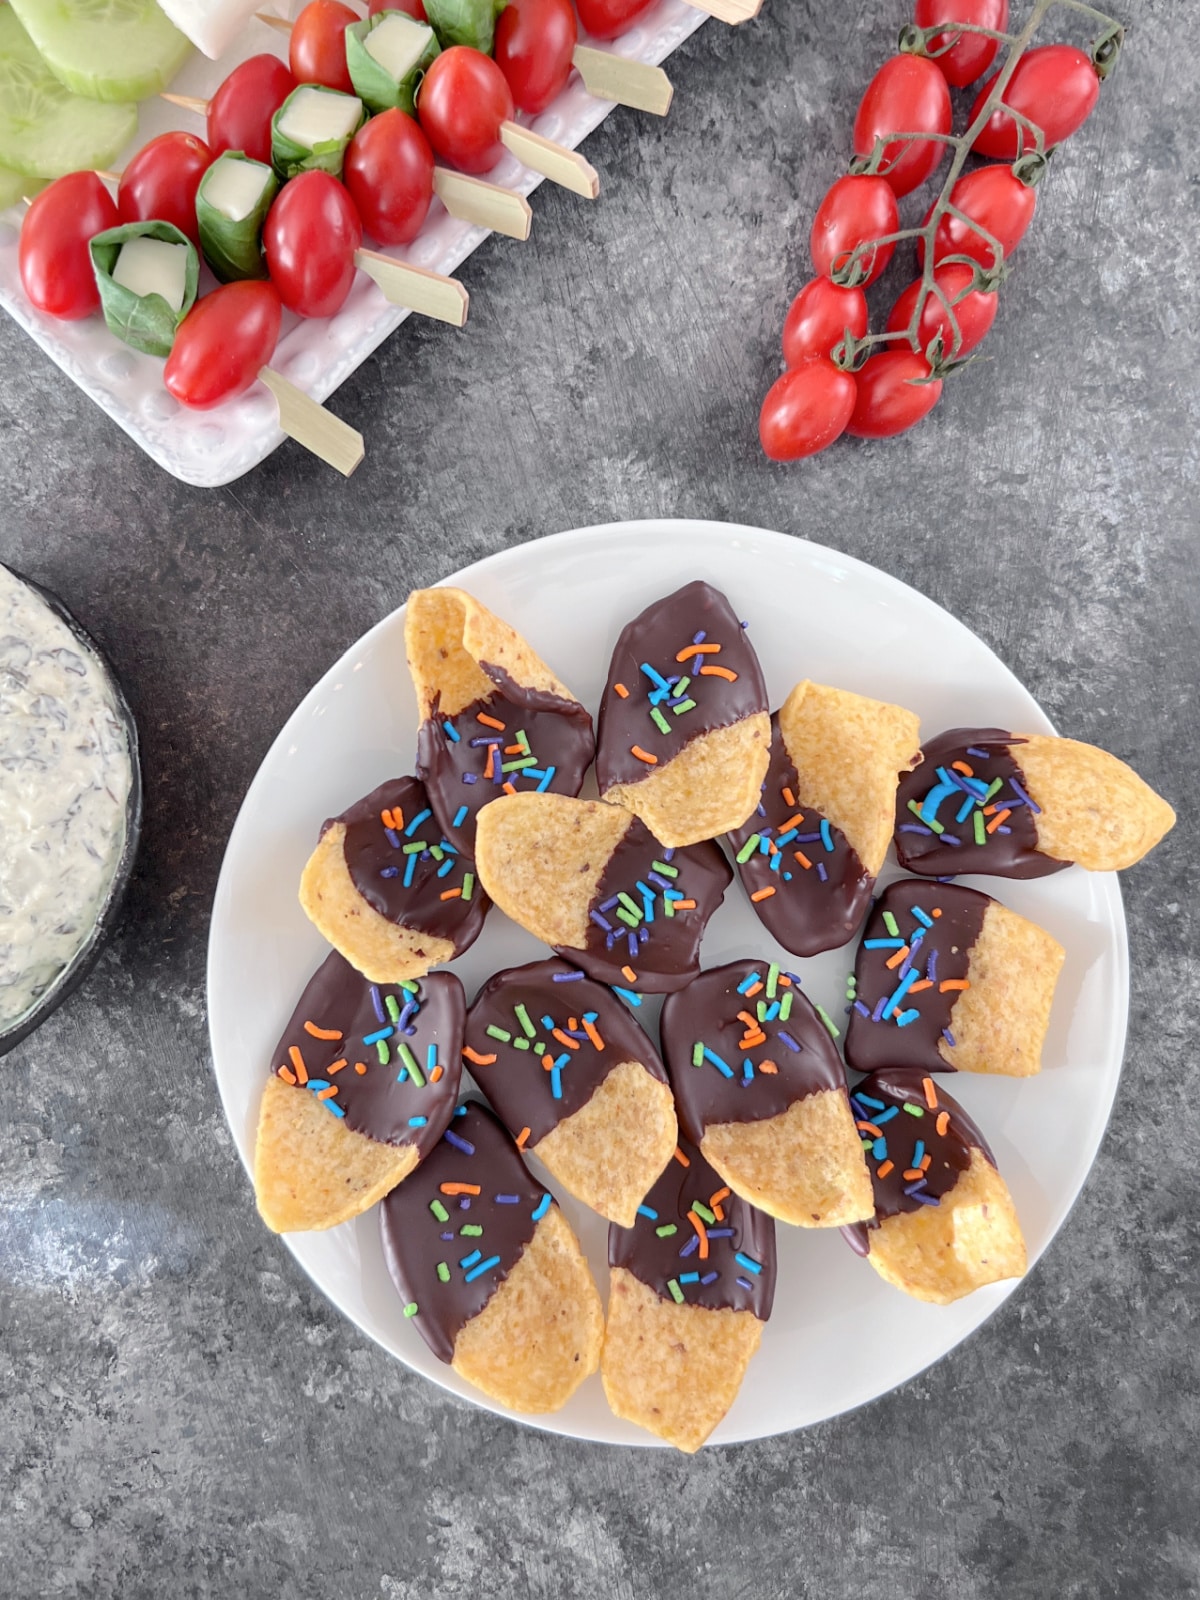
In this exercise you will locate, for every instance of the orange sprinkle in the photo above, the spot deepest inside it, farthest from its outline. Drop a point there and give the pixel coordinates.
(287, 1075)
(508, 788)
(298, 1063)
(694, 650)
(573, 1024)
(628, 973)
(937, 911)
(719, 672)
(768, 1067)
(480, 1061)
(913, 1173)
(461, 1188)
(684, 1161)
(513, 750)
(898, 957)
(491, 761)
(438, 1072)
(714, 1200)
(701, 1234)
(751, 1022)
(763, 894)
(621, 690)
(521, 1138)
(784, 981)
(643, 755)
(490, 722)
(752, 1039)
(590, 1029)
(869, 1127)
(961, 766)
(882, 1172)
(789, 799)
(998, 819)
(689, 905)
(328, 1093)
(547, 1063)
(926, 1159)
(361, 1068)
(565, 1038)
(792, 822)
(337, 1066)
(931, 1099)
(450, 894)
(943, 1122)
(757, 989)
(802, 858)
(953, 983)
(321, 1033)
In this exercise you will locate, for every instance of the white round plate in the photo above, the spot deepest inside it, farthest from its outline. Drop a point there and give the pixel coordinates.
(839, 1336)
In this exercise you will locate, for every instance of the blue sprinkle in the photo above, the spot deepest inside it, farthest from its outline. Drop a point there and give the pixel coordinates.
(402, 1075)
(416, 822)
(469, 1261)
(899, 992)
(484, 1266)
(410, 867)
(748, 983)
(628, 994)
(883, 944)
(417, 1122)
(904, 1018)
(715, 1060)
(460, 816)
(543, 1206)
(547, 780)
(645, 1211)
(879, 1150)
(886, 1116)
(465, 1145)
(688, 1277)
(748, 1262)
(447, 866)
(826, 836)
(918, 1153)
(922, 917)
(452, 732)
(866, 1100)
(374, 1038)
(460, 1111)
(747, 1069)
(556, 1082)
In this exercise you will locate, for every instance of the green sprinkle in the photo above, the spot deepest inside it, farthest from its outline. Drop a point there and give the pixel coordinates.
(785, 1005)
(413, 849)
(676, 1291)
(410, 1061)
(468, 885)
(828, 1021)
(760, 1010)
(502, 1034)
(668, 908)
(443, 1272)
(772, 980)
(522, 739)
(980, 831)
(630, 904)
(698, 1054)
(516, 766)
(914, 1111)
(471, 1230)
(437, 852)
(522, 1016)
(681, 685)
(627, 917)
(393, 1010)
(747, 850)
(659, 721)
(702, 1212)
(666, 1230)
(995, 788)
(385, 1055)
(410, 986)
(520, 1044)
(439, 1211)
(929, 822)
(410, 1309)
(892, 926)
(539, 1049)
(867, 1143)
(686, 705)
(667, 870)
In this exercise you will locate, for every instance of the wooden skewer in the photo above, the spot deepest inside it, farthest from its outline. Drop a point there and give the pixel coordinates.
(302, 418)
(431, 294)
(187, 102)
(628, 83)
(731, 11)
(553, 161)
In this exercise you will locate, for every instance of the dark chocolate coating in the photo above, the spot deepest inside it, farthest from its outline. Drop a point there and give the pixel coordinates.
(811, 908)
(664, 951)
(656, 1259)
(654, 639)
(377, 859)
(1010, 850)
(895, 1140)
(558, 733)
(517, 1080)
(415, 1239)
(340, 1000)
(908, 1036)
(707, 1013)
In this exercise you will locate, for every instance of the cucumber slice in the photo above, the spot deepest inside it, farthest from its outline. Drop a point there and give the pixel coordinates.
(105, 49)
(44, 130)
(14, 187)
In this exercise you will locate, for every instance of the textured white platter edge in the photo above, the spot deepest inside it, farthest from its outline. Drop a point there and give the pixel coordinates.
(211, 448)
(839, 1336)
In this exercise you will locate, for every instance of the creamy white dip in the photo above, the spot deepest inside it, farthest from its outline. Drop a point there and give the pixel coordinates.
(65, 780)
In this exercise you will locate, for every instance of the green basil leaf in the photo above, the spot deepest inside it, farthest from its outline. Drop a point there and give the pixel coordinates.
(470, 22)
(373, 83)
(234, 249)
(145, 321)
(289, 158)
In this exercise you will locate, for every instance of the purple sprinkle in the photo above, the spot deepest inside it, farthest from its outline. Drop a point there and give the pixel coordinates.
(567, 977)
(643, 935)
(691, 1246)
(915, 827)
(762, 810)
(475, 743)
(821, 873)
(980, 755)
(610, 941)
(464, 1203)
(927, 1199)
(807, 838)
(949, 838)
(709, 1277)
(470, 777)
(786, 1038)
(607, 905)
(447, 1236)
(389, 872)
(631, 940)
(931, 966)
(393, 838)
(795, 977)
(914, 1188)
(950, 879)
(743, 1283)
(465, 1145)
(1003, 829)
(601, 922)
(669, 855)
(377, 1003)
(657, 878)
(862, 1010)
(949, 1037)
(406, 1015)
(699, 638)
(508, 1199)
(720, 1233)
(877, 1014)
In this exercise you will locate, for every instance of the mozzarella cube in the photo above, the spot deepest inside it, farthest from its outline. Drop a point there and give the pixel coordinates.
(153, 266)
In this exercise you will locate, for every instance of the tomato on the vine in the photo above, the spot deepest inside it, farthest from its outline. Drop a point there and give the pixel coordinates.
(894, 392)
(239, 114)
(907, 95)
(1056, 87)
(412, 8)
(819, 319)
(535, 44)
(310, 236)
(223, 344)
(970, 56)
(389, 173)
(317, 51)
(994, 198)
(806, 410)
(853, 212)
(974, 313)
(160, 183)
(605, 19)
(463, 101)
(55, 263)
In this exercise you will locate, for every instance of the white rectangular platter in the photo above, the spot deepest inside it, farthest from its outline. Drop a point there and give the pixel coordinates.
(215, 447)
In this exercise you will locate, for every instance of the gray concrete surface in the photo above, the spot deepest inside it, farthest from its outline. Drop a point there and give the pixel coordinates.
(180, 1414)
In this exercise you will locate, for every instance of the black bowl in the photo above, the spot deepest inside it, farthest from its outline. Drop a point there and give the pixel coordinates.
(84, 958)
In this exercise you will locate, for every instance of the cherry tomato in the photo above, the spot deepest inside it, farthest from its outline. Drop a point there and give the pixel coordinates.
(907, 95)
(853, 212)
(806, 410)
(605, 19)
(891, 397)
(819, 318)
(239, 114)
(975, 312)
(160, 183)
(56, 266)
(411, 8)
(310, 236)
(974, 53)
(463, 101)
(1056, 87)
(998, 202)
(535, 41)
(389, 173)
(317, 51)
(223, 344)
